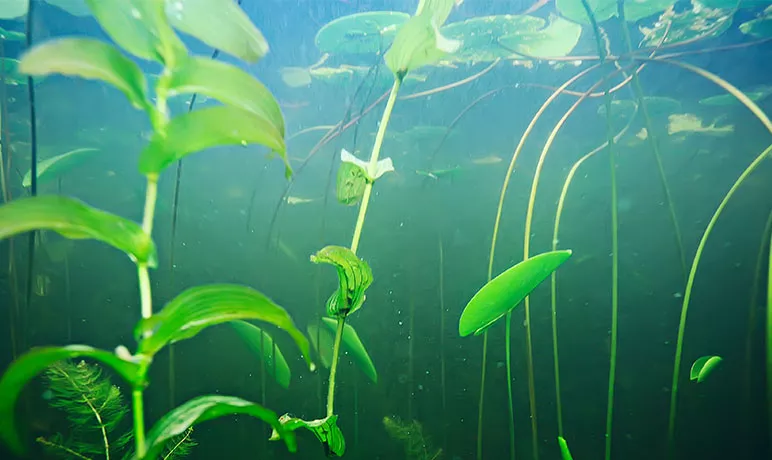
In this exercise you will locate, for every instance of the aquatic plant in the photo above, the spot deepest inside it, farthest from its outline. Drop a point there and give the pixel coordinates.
(411, 435)
(250, 115)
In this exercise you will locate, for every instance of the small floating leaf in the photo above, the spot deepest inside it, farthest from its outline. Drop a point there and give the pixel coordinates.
(87, 58)
(326, 431)
(35, 361)
(703, 367)
(76, 220)
(505, 292)
(355, 348)
(52, 168)
(262, 344)
(200, 307)
(565, 454)
(354, 277)
(209, 127)
(603, 10)
(295, 77)
(204, 408)
(362, 33)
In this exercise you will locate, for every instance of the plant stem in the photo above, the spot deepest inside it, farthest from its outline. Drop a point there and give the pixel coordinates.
(334, 366)
(769, 340)
(482, 396)
(139, 422)
(508, 340)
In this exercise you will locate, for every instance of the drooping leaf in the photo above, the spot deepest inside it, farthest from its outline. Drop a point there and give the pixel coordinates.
(74, 7)
(228, 84)
(87, 58)
(73, 219)
(326, 431)
(361, 33)
(262, 344)
(703, 367)
(204, 408)
(53, 167)
(12, 9)
(565, 454)
(354, 277)
(210, 127)
(35, 361)
(221, 24)
(295, 77)
(505, 292)
(140, 27)
(203, 306)
(352, 344)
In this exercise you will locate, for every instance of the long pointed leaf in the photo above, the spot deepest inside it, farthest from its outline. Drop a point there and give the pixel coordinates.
(262, 344)
(35, 361)
(203, 306)
(353, 344)
(76, 220)
(51, 168)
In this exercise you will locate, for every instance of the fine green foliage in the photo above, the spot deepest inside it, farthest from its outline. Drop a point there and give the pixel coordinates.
(326, 431)
(35, 361)
(505, 292)
(54, 167)
(203, 408)
(411, 435)
(203, 306)
(93, 405)
(565, 454)
(703, 367)
(354, 277)
(76, 220)
(262, 344)
(90, 59)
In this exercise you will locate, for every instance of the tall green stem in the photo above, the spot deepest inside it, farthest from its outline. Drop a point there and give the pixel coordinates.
(139, 422)
(508, 339)
(769, 341)
(334, 366)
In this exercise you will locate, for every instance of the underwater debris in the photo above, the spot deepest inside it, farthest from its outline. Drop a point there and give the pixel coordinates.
(410, 434)
(688, 122)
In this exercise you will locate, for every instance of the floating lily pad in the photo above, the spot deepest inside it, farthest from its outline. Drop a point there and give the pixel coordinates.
(760, 27)
(702, 368)
(697, 22)
(361, 33)
(556, 39)
(74, 7)
(481, 35)
(731, 4)
(606, 9)
(295, 77)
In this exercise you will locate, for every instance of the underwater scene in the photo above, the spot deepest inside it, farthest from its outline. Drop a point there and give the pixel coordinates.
(386, 229)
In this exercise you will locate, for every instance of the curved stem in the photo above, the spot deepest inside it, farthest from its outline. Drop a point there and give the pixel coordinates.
(455, 84)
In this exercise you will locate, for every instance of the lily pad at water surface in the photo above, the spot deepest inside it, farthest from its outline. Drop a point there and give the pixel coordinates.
(361, 33)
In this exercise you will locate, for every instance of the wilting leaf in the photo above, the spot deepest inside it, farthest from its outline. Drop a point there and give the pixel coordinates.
(262, 345)
(326, 431)
(87, 58)
(295, 77)
(505, 292)
(565, 454)
(352, 344)
(204, 408)
(221, 24)
(702, 368)
(53, 167)
(35, 361)
(76, 220)
(354, 277)
(140, 27)
(361, 33)
(209, 127)
(228, 84)
(203, 306)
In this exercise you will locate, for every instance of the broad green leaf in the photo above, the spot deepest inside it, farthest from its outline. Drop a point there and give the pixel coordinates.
(505, 292)
(140, 27)
(356, 349)
(35, 361)
(204, 408)
(52, 168)
(12, 35)
(350, 183)
(480, 36)
(74, 7)
(323, 341)
(557, 39)
(87, 58)
(206, 128)
(419, 42)
(326, 431)
(228, 84)
(354, 277)
(361, 33)
(702, 368)
(760, 27)
(221, 24)
(603, 10)
(203, 306)
(262, 344)
(76, 220)
(12, 9)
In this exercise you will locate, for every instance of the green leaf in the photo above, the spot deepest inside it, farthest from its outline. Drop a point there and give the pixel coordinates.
(210, 127)
(262, 344)
(12, 9)
(203, 306)
(505, 292)
(76, 220)
(87, 58)
(361, 33)
(35, 361)
(221, 24)
(354, 277)
(355, 348)
(760, 27)
(350, 183)
(228, 84)
(557, 39)
(12, 35)
(703, 367)
(606, 9)
(692, 24)
(204, 408)
(326, 431)
(140, 27)
(323, 341)
(52, 168)
(565, 454)
(74, 7)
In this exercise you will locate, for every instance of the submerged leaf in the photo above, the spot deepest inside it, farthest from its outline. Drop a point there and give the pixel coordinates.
(12, 9)
(52, 168)
(326, 431)
(760, 27)
(263, 345)
(354, 277)
(419, 43)
(696, 23)
(703, 367)
(203, 306)
(354, 347)
(565, 454)
(76, 220)
(350, 184)
(91, 59)
(505, 292)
